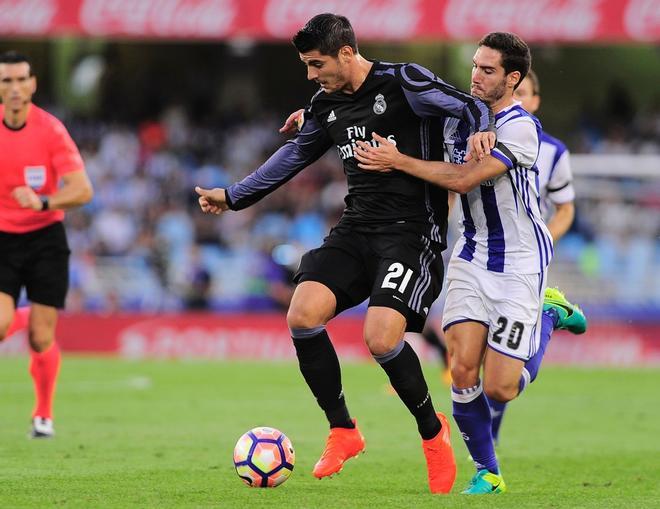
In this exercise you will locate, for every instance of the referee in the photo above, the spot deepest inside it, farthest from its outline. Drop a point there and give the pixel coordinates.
(41, 175)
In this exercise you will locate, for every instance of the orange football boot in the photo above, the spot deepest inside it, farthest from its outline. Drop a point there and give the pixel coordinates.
(440, 462)
(342, 444)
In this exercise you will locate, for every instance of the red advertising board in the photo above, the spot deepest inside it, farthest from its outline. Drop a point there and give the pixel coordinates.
(538, 20)
(266, 337)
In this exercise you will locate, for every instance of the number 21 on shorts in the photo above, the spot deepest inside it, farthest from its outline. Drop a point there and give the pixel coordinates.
(394, 280)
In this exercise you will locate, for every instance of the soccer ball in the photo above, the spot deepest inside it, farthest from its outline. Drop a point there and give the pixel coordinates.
(264, 457)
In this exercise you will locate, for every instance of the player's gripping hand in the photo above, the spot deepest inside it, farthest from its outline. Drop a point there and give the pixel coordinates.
(212, 201)
(293, 123)
(27, 198)
(480, 145)
(382, 158)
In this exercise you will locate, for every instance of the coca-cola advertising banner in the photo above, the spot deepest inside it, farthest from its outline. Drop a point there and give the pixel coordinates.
(376, 20)
(266, 337)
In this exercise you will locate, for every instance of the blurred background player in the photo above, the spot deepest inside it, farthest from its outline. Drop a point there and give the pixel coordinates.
(553, 163)
(387, 245)
(41, 174)
(556, 190)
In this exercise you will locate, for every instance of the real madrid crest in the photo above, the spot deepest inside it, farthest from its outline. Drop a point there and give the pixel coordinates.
(380, 105)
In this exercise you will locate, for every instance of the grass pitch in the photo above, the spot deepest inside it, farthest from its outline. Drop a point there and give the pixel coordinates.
(161, 434)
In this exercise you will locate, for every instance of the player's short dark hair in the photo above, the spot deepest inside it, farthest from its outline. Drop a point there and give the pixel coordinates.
(515, 52)
(14, 57)
(327, 33)
(536, 84)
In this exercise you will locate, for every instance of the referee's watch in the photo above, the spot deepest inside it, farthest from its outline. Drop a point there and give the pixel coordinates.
(45, 204)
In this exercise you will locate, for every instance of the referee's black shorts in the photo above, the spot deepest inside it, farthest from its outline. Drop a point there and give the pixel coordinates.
(394, 266)
(37, 260)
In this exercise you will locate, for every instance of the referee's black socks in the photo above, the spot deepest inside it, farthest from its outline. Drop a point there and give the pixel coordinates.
(405, 372)
(319, 366)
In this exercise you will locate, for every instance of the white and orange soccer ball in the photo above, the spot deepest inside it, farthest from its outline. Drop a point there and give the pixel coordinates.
(264, 457)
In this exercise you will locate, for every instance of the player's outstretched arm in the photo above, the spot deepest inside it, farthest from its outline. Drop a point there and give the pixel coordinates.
(311, 142)
(460, 178)
(297, 153)
(212, 201)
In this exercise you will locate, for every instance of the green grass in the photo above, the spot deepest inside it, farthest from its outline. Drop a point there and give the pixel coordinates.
(161, 434)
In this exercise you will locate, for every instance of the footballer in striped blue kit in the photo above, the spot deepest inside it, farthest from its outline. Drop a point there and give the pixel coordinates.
(494, 315)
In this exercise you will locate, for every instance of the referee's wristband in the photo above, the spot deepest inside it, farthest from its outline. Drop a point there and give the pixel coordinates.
(45, 204)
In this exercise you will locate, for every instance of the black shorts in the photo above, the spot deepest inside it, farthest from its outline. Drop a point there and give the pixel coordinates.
(38, 261)
(394, 266)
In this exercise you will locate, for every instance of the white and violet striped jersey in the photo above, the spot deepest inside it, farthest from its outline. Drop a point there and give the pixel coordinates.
(555, 176)
(502, 229)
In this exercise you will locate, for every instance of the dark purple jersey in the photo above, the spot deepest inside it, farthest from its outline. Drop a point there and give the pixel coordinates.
(404, 103)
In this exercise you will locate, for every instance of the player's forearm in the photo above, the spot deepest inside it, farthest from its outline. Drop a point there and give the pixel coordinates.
(296, 154)
(71, 195)
(562, 220)
(281, 167)
(455, 177)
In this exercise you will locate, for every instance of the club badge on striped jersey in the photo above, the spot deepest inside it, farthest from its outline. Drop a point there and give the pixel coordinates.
(35, 176)
(380, 105)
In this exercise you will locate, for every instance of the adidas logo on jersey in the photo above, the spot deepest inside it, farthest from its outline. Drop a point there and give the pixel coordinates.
(332, 117)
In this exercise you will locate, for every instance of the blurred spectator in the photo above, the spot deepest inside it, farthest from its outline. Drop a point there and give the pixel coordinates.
(617, 128)
(198, 288)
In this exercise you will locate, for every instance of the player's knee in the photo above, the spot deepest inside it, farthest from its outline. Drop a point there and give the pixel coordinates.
(378, 345)
(500, 391)
(41, 340)
(302, 317)
(463, 374)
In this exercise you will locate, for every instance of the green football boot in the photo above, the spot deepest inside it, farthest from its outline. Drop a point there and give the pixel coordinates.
(485, 482)
(569, 316)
